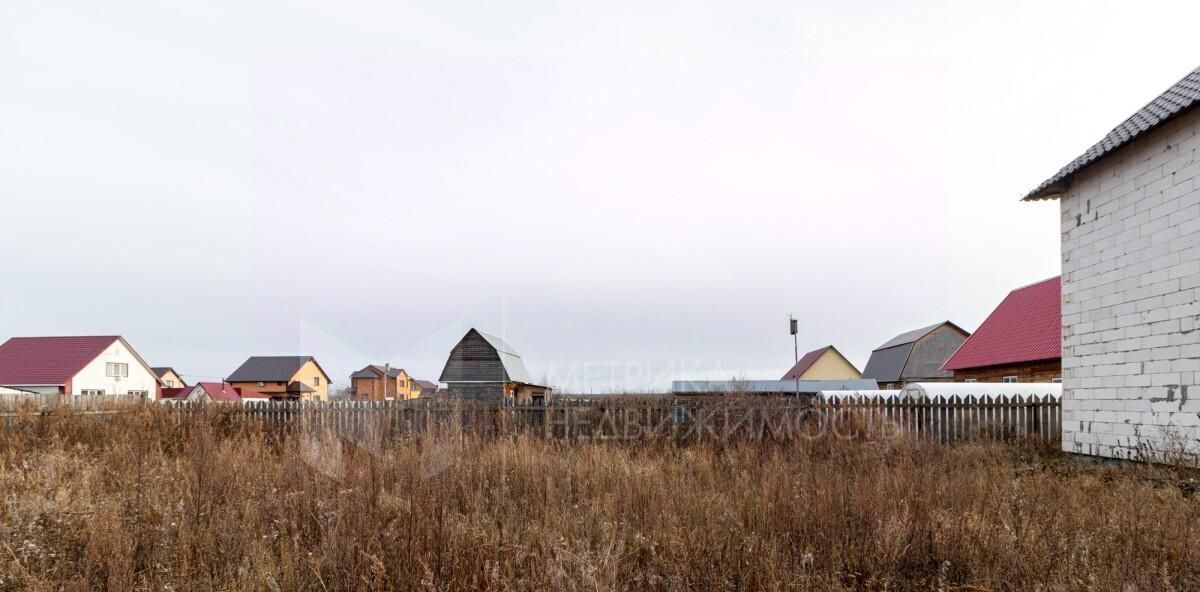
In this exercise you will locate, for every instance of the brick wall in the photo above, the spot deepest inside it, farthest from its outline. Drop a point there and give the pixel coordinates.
(1043, 371)
(1131, 268)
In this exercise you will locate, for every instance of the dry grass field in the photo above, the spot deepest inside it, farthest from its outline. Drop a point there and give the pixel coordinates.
(146, 502)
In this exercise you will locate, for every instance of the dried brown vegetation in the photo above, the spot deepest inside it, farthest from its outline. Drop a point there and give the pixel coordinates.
(144, 501)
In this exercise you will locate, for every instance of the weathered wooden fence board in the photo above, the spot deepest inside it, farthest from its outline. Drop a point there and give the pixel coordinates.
(942, 420)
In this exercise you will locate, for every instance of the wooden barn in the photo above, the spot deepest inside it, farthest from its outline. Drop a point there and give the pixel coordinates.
(484, 367)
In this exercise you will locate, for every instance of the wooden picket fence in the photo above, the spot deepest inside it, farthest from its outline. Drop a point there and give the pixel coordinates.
(936, 419)
(955, 418)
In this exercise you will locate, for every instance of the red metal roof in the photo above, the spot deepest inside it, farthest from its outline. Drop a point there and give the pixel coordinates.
(806, 362)
(1026, 327)
(220, 391)
(175, 393)
(48, 360)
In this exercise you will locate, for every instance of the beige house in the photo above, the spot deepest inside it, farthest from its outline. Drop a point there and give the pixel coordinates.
(169, 377)
(826, 363)
(384, 383)
(282, 378)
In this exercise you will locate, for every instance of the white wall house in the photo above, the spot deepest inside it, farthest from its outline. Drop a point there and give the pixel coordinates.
(1130, 284)
(100, 365)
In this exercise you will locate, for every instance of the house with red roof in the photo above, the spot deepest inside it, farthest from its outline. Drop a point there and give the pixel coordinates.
(210, 392)
(1021, 341)
(88, 365)
(825, 363)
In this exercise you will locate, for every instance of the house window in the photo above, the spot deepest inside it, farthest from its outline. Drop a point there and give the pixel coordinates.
(92, 392)
(1010, 379)
(971, 380)
(116, 370)
(261, 383)
(139, 393)
(170, 383)
(1056, 380)
(316, 381)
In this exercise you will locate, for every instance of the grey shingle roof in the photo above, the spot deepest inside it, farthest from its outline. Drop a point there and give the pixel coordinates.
(270, 369)
(1181, 97)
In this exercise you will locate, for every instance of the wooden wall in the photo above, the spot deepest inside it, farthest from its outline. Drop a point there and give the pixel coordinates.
(1043, 371)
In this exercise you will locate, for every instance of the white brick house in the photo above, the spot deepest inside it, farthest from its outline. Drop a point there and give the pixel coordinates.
(1130, 283)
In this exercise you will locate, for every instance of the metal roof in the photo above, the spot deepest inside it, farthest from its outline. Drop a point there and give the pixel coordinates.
(1179, 98)
(1025, 327)
(509, 358)
(271, 369)
(702, 387)
(29, 361)
(887, 365)
(887, 362)
(911, 336)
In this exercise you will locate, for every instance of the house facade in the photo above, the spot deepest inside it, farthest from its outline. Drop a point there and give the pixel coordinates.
(826, 363)
(1130, 214)
(169, 377)
(915, 356)
(484, 367)
(1019, 342)
(382, 383)
(282, 377)
(90, 365)
(424, 388)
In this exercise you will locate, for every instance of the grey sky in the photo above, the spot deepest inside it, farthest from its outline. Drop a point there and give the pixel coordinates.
(627, 192)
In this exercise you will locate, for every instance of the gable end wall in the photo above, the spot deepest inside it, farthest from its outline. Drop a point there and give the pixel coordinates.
(1131, 272)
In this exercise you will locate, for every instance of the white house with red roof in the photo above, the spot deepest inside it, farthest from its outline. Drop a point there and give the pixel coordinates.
(1021, 341)
(91, 365)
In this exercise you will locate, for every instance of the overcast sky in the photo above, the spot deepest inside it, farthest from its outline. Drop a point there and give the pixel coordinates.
(628, 192)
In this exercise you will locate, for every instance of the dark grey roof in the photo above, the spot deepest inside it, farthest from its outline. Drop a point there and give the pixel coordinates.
(299, 387)
(887, 362)
(1176, 100)
(366, 372)
(270, 369)
(887, 365)
(910, 336)
(160, 370)
(426, 385)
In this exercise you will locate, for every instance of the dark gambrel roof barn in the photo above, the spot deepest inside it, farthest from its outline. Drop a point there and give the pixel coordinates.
(483, 366)
(915, 356)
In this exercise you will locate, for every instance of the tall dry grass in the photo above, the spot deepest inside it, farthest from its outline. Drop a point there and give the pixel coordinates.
(146, 502)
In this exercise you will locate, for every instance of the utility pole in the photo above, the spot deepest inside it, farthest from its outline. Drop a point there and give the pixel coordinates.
(793, 326)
